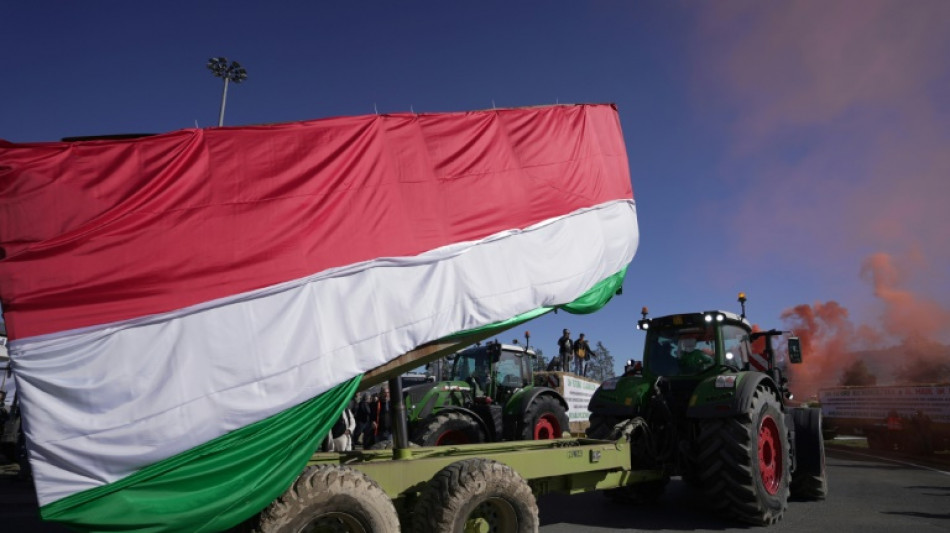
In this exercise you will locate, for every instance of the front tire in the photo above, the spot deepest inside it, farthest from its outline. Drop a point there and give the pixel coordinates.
(810, 479)
(744, 461)
(476, 495)
(602, 427)
(545, 418)
(332, 499)
(636, 433)
(448, 428)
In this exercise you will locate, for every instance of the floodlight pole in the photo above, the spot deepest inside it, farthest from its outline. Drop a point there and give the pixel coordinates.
(229, 72)
(224, 99)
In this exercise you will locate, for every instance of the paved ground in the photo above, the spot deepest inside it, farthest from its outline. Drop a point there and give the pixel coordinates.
(19, 512)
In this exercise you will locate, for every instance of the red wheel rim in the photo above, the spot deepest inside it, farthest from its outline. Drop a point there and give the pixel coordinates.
(452, 436)
(547, 427)
(770, 455)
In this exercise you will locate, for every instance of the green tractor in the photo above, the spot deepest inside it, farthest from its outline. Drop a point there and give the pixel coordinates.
(705, 406)
(484, 394)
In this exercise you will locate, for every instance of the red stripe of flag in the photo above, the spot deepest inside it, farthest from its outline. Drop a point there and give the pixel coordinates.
(102, 231)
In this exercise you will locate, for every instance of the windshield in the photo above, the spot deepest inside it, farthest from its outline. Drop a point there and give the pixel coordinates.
(508, 370)
(680, 351)
(473, 365)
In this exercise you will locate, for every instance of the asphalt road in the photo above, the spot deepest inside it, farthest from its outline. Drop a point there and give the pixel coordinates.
(867, 494)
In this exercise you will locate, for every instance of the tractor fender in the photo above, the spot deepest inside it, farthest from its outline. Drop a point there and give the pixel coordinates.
(711, 402)
(519, 402)
(488, 432)
(428, 398)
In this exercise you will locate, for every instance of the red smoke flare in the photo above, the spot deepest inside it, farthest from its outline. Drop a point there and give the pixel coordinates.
(831, 342)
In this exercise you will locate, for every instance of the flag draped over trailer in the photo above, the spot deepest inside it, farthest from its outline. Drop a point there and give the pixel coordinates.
(190, 312)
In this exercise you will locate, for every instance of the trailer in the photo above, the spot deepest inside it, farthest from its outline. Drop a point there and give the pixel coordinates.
(190, 312)
(913, 417)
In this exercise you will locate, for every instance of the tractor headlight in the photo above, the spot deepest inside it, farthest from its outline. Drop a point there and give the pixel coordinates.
(725, 382)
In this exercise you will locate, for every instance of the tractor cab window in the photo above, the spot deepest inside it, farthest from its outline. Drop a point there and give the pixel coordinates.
(472, 366)
(508, 372)
(736, 346)
(681, 351)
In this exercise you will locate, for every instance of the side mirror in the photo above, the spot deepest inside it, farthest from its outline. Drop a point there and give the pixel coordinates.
(794, 350)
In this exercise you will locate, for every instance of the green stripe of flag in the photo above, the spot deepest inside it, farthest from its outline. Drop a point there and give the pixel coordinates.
(213, 486)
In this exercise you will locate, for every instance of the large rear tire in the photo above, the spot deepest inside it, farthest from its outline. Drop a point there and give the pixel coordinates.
(744, 461)
(330, 499)
(448, 428)
(810, 480)
(476, 495)
(545, 418)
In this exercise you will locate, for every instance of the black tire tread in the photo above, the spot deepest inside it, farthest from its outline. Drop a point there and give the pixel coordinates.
(331, 487)
(810, 479)
(727, 456)
(601, 427)
(540, 405)
(457, 489)
(428, 431)
(640, 493)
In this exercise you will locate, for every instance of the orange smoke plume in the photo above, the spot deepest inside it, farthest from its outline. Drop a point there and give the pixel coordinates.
(831, 342)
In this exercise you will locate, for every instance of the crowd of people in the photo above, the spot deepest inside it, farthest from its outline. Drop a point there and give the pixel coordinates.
(365, 421)
(573, 355)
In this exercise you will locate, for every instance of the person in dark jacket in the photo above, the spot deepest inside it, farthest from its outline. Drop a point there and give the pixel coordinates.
(380, 420)
(362, 418)
(582, 355)
(565, 350)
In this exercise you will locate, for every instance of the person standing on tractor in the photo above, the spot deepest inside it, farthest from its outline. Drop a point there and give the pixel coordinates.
(565, 348)
(582, 355)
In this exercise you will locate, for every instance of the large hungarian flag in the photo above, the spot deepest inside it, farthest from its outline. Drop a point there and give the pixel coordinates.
(190, 312)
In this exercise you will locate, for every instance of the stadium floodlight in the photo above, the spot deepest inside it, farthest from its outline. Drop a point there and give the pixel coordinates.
(220, 67)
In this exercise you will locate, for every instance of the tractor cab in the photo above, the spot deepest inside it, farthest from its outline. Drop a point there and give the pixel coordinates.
(494, 370)
(694, 365)
(485, 393)
(695, 344)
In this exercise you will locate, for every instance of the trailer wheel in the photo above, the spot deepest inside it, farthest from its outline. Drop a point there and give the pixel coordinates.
(476, 495)
(809, 480)
(545, 418)
(447, 428)
(744, 461)
(331, 499)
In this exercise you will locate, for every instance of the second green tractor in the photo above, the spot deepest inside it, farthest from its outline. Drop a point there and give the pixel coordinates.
(485, 393)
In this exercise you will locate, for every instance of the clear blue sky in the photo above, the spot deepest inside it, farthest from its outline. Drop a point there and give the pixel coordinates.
(776, 148)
